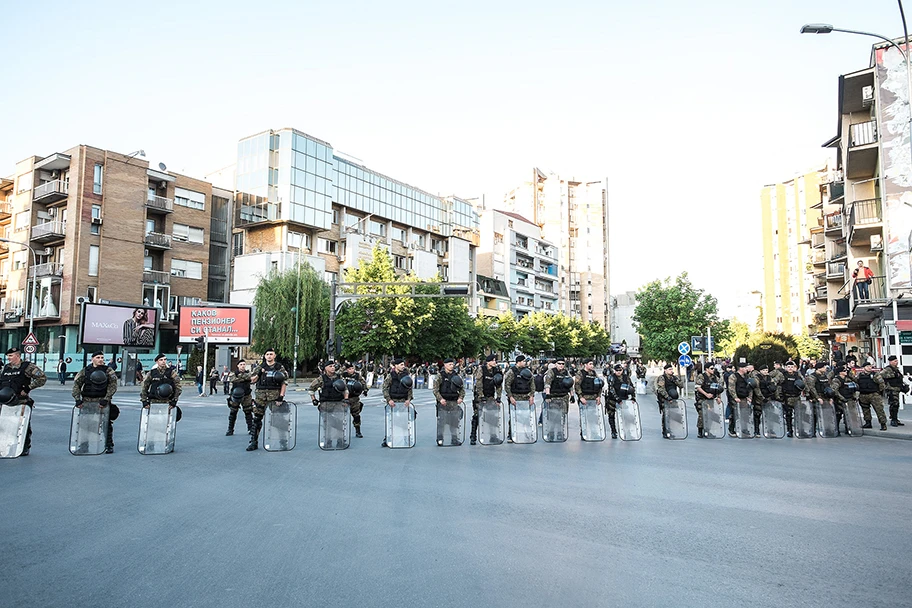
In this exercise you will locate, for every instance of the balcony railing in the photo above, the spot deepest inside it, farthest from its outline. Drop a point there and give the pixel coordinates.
(818, 257)
(6, 210)
(821, 292)
(838, 251)
(263, 212)
(832, 221)
(867, 211)
(51, 190)
(873, 292)
(835, 270)
(157, 276)
(817, 240)
(863, 133)
(49, 230)
(159, 203)
(50, 269)
(218, 270)
(157, 239)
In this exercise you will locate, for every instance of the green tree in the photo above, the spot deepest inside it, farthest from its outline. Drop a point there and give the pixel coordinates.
(808, 347)
(277, 297)
(739, 333)
(669, 313)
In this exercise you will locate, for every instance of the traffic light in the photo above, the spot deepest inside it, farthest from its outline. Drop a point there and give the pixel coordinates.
(199, 343)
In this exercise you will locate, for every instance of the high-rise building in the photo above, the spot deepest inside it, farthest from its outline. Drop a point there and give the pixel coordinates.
(787, 211)
(622, 329)
(105, 226)
(299, 201)
(573, 215)
(512, 250)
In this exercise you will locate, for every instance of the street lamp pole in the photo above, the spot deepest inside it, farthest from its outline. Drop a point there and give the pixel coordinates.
(33, 270)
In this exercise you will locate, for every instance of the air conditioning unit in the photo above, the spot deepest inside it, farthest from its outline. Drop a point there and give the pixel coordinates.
(163, 185)
(52, 212)
(96, 221)
(55, 174)
(81, 300)
(46, 251)
(867, 96)
(876, 242)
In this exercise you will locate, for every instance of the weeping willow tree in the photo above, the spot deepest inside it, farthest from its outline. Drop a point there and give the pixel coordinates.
(278, 298)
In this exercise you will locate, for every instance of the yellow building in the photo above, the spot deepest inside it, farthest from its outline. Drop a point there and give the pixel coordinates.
(788, 211)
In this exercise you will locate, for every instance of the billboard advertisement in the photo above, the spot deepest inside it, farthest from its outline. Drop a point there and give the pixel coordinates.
(223, 324)
(118, 325)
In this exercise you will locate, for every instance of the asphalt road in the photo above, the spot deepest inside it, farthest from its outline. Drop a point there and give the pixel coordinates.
(651, 523)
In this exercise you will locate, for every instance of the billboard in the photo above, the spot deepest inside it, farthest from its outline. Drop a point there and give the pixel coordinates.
(224, 324)
(118, 325)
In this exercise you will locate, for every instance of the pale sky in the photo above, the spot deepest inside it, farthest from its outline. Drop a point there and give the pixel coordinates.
(687, 108)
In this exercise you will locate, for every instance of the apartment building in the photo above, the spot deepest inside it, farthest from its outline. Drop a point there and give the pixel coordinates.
(298, 200)
(512, 250)
(573, 215)
(493, 298)
(623, 307)
(866, 216)
(788, 210)
(105, 226)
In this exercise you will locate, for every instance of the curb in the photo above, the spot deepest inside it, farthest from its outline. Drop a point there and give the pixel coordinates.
(887, 434)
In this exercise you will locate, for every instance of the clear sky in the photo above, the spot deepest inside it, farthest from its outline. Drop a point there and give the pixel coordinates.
(687, 108)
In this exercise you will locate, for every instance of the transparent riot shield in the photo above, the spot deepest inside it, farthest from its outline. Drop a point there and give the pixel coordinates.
(641, 387)
(157, 429)
(523, 422)
(628, 420)
(450, 424)
(491, 429)
(280, 421)
(14, 421)
(554, 420)
(804, 420)
(469, 383)
(400, 426)
(853, 418)
(826, 419)
(334, 426)
(713, 419)
(592, 420)
(772, 422)
(419, 381)
(88, 428)
(744, 419)
(675, 413)
(369, 380)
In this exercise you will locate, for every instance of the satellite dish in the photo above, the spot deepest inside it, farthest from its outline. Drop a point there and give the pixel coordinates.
(162, 166)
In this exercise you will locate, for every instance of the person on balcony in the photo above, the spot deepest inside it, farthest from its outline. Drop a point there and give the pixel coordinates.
(862, 276)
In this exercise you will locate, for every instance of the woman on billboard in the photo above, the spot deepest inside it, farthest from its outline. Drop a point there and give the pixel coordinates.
(138, 331)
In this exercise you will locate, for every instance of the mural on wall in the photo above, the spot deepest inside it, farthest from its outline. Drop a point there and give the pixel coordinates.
(896, 161)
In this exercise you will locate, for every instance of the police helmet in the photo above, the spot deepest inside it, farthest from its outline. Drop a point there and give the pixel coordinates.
(828, 391)
(497, 378)
(851, 386)
(164, 391)
(237, 393)
(567, 382)
(7, 395)
(526, 373)
(799, 384)
(406, 381)
(98, 376)
(355, 388)
(752, 382)
(339, 385)
(598, 383)
(279, 376)
(456, 380)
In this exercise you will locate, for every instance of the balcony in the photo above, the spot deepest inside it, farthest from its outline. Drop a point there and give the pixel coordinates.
(159, 204)
(218, 270)
(818, 257)
(3, 282)
(157, 240)
(865, 219)
(50, 269)
(835, 271)
(861, 157)
(837, 251)
(6, 211)
(832, 223)
(817, 240)
(820, 292)
(50, 192)
(262, 212)
(156, 276)
(49, 231)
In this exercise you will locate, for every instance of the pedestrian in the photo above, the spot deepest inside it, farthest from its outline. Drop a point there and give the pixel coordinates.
(271, 381)
(226, 379)
(395, 393)
(871, 385)
(351, 374)
(17, 380)
(862, 277)
(139, 371)
(240, 397)
(213, 381)
(97, 383)
(199, 380)
(893, 378)
(62, 371)
(666, 389)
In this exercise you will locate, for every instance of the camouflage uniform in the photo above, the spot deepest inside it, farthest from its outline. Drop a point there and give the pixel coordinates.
(867, 400)
(451, 403)
(766, 391)
(399, 395)
(893, 379)
(562, 401)
(265, 395)
(110, 389)
(478, 391)
(662, 386)
(154, 373)
(613, 397)
(10, 376)
(240, 380)
(843, 397)
(702, 381)
(355, 402)
(733, 397)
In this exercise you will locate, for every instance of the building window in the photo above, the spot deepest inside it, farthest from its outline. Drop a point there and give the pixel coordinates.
(400, 235)
(186, 269)
(399, 261)
(189, 198)
(96, 181)
(25, 182)
(378, 228)
(22, 220)
(182, 232)
(237, 244)
(93, 260)
(335, 216)
(92, 294)
(330, 277)
(327, 246)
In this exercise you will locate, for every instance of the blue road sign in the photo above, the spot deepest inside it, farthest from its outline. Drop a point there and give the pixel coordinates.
(685, 361)
(683, 348)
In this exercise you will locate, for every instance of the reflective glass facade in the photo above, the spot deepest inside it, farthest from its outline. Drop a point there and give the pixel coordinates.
(303, 178)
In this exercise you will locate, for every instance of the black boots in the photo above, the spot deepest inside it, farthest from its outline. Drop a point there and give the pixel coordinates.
(248, 417)
(472, 437)
(109, 439)
(699, 433)
(613, 423)
(358, 432)
(254, 436)
(232, 418)
(866, 425)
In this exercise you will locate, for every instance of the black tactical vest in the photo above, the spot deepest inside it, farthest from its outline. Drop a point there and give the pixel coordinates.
(447, 390)
(397, 391)
(520, 386)
(557, 386)
(866, 384)
(788, 386)
(587, 384)
(95, 390)
(267, 379)
(160, 378)
(742, 388)
(14, 378)
(487, 381)
(329, 393)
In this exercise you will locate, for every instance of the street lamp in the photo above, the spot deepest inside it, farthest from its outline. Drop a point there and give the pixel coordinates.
(33, 270)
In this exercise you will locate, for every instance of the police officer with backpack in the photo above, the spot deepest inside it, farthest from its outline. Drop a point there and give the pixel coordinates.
(97, 383)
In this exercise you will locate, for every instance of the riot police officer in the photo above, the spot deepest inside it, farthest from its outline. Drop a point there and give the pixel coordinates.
(558, 384)
(666, 389)
(395, 391)
(739, 389)
(845, 394)
(871, 385)
(350, 374)
(519, 386)
(707, 388)
(619, 388)
(488, 385)
(97, 383)
(271, 381)
(240, 396)
(764, 392)
(893, 379)
(448, 389)
(17, 380)
(791, 389)
(161, 385)
(588, 386)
